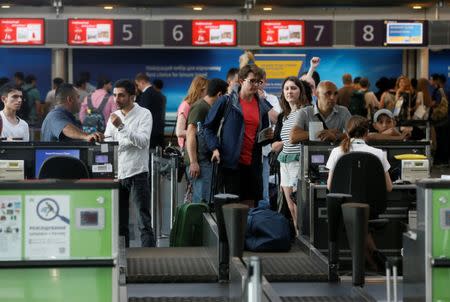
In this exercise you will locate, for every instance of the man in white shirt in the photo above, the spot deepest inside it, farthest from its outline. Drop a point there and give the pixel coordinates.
(131, 127)
(14, 128)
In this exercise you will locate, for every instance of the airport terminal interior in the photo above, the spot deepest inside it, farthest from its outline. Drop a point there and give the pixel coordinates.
(226, 150)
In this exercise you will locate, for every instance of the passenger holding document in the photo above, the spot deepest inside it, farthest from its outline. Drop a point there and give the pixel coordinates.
(245, 116)
(326, 114)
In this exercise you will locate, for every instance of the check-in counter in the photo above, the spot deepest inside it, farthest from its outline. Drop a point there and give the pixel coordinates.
(59, 241)
(311, 191)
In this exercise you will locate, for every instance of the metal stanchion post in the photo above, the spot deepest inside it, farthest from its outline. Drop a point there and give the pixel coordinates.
(254, 289)
(173, 189)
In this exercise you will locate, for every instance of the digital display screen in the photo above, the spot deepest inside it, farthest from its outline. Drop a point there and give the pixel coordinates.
(101, 159)
(404, 33)
(282, 33)
(214, 33)
(42, 154)
(22, 31)
(317, 159)
(89, 218)
(90, 32)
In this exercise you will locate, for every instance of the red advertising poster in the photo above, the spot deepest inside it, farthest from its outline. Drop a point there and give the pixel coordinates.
(282, 33)
(214, 33)
(90, 32)
(22, 31)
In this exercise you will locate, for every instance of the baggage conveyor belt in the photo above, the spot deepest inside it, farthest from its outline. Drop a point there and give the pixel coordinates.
(169, 265)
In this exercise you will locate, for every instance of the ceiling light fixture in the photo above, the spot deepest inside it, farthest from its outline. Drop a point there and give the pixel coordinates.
(6, 6)
(267, 9)
(108, 7)
(198, 8)
(417, 7)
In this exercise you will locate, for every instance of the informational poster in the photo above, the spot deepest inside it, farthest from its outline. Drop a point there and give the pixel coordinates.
(214, 33)
(282, 33)
(47, 227)
(409, 33)
(90, 32)
(22, 31)
(10, 227)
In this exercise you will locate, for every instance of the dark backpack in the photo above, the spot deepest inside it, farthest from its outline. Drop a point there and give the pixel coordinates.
(24, 111)
(357, 105)
(95, 121)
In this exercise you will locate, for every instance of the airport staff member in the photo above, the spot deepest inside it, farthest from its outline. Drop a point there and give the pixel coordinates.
(131, 127)
(13, 126)
(333, 116)
(60, 123)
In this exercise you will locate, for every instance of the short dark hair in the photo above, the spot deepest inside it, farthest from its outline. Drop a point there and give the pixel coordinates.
(63, 91)
(80, 82)
(102, 81)
(215, 86)
(435, 76)
(7, 88)
(316, 77)
(364, 82)
(158, 83)
(20, 75)
(127, 85)
(356, 80)
(142, 77)
(232, 72)
(58, 81)
(442, 78)
(30, 78)
(250, 68)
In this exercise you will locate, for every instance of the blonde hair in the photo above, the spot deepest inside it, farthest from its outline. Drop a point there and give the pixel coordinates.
(408, 82)
(198, 84)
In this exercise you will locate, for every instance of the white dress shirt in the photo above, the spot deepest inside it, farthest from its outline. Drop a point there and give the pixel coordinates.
(133, 139)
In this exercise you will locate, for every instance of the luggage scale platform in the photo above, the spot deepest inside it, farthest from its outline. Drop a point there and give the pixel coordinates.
(169, 265)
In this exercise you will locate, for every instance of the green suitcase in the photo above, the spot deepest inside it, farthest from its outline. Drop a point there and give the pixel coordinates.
(187, 228)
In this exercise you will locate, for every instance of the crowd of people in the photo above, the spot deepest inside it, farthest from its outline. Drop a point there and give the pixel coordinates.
(250, 133)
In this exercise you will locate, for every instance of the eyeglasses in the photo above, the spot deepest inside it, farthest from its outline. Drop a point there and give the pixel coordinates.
(255, 82)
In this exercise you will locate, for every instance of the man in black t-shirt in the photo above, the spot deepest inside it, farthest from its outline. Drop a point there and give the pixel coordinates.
(197, 158)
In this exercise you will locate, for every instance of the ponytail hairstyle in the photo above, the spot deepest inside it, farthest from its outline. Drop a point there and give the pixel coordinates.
(357, 127)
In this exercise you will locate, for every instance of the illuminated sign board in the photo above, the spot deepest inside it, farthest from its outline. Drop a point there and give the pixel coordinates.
(214, 33)
(282, 33)
(22, 31)
(405, 33)
(90, 32)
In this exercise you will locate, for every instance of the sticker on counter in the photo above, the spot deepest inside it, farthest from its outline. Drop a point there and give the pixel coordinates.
(106, 168)
(47, 227)
(10, 227)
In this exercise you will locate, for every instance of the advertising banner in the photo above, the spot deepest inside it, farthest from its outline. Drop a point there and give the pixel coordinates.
(90, 32)
(214, 33)
(10, 227)
(282, 33)
(22, 31)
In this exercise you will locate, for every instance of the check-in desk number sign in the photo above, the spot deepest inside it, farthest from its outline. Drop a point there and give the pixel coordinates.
(127, 32)
(178, 32)
(369, 33)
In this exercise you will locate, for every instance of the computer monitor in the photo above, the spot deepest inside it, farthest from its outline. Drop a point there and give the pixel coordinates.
(42, 154)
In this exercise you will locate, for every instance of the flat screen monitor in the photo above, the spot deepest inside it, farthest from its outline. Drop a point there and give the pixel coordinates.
(281, 33)
(42, 154)
(22, 31)
(404, 33)
(90, 32)
(214, 33)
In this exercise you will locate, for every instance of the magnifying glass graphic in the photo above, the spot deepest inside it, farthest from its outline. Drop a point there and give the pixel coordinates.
(48, 209)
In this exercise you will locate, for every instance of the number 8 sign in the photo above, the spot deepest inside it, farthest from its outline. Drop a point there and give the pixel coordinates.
(369, 32)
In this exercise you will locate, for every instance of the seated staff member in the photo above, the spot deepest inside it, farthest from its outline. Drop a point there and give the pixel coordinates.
(355, 140)
(60, 123)
(384, 126)
(326, 110)
(131, 127)
(13, 127)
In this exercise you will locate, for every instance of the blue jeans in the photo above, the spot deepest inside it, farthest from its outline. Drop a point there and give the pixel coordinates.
(265, 178)
(201, 185)
(135, 188)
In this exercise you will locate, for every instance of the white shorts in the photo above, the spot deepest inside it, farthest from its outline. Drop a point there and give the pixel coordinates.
(289, 173)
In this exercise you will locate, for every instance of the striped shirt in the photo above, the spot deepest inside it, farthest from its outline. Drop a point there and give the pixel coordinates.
(288, 123)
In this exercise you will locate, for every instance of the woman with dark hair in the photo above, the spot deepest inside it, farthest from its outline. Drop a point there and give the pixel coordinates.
(357, 130)
(293, 97)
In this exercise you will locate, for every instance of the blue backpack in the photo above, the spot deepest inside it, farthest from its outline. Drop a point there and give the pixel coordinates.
(267, 231)
(94, 121)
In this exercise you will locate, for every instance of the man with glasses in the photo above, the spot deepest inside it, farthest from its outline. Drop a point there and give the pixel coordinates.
(333, 117)
(60, 123)
(241, 115)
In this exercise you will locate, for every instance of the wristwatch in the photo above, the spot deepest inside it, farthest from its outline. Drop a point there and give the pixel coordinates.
(120, 127)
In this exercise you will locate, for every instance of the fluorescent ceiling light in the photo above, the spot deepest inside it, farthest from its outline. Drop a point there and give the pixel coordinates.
(417, 7)
(199, 8)
(6, 6)
(267, 8)
(108, 7)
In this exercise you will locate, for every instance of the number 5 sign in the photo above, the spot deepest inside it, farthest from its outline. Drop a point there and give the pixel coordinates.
(127, 32)
(177, 32)
(369, 32)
